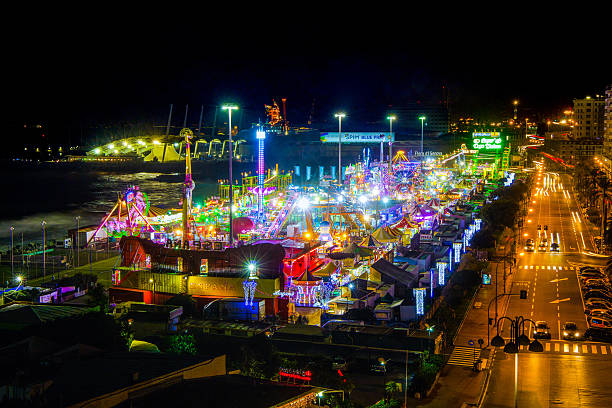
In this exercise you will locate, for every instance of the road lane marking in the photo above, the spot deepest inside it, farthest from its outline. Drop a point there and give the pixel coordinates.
(560, 300)
(604, 350)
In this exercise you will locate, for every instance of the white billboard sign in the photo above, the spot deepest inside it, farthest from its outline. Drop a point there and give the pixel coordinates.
(358, 137)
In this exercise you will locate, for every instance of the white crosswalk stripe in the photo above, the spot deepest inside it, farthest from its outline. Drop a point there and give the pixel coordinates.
(578, 348)
(463, 356)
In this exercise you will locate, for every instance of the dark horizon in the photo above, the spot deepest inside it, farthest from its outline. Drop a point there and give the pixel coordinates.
(71, 83)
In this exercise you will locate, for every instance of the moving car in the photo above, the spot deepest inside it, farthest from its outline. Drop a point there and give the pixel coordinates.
(529, 245)
(570, 331)
(554, 247)
(543, 247)
(542, 331)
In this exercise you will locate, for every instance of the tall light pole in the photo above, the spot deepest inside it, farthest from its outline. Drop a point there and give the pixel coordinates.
(12, 270)
(515, 104)
(78, 246)
(391, 118)
(422, 119)
(229, 109)
(340, 116)
(44, 223)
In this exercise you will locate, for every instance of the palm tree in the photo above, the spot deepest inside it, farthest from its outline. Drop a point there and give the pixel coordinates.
(604, 192)
(391, 388)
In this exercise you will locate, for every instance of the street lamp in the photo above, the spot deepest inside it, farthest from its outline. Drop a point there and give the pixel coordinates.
(422, 119)
(391, 118)
(340, 116)
(350, 287)
(12, 270)
(78, 246)
(229, 109)
(512, 347)
(152, 281)
(44, 223)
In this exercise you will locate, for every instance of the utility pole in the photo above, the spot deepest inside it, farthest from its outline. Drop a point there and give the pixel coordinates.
(78, 244)
(43, 223)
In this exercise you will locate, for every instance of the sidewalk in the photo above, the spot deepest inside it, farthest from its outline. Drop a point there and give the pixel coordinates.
(459, 384)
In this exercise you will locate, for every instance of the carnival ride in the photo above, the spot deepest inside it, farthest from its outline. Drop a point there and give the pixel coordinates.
(132, 211)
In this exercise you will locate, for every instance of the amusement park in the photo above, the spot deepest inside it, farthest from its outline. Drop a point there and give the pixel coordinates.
(383, 234)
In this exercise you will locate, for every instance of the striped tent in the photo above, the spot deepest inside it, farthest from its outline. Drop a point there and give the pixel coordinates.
(383, 234)
(327, 270)
(369, 242)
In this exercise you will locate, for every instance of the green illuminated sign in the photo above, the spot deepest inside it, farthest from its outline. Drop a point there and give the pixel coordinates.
(486, 140)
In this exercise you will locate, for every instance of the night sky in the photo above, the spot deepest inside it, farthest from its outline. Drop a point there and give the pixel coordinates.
(72, 75)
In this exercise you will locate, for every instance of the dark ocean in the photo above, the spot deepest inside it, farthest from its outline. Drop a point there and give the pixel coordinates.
(58, 194)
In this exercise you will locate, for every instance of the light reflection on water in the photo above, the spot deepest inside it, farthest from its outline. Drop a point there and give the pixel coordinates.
(97, 196)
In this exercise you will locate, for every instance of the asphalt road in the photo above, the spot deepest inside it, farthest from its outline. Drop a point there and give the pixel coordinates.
(568, 373)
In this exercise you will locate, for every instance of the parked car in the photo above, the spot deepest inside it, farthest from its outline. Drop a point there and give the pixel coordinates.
(554, 247)
(529, 245)
(584, 278)
(570, 331)
(598, 293)
(339, 363)
(594, 286)
(596, 281)
(587, 268)
(542, 331)
(583, 271)
(604, 313)
(378, 368)
(600, 322)
(595, 303)
(598, 334)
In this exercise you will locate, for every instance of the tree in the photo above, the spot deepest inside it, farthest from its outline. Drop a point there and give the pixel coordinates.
(183, 344)
(483, 239)
(98, 297)
(500, 213)
(391, 389)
